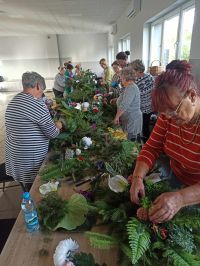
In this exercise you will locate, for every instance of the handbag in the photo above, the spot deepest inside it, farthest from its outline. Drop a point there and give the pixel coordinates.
(156, 70)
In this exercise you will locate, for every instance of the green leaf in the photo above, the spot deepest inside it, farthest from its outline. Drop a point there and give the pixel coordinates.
(63, 136)
(101, 241)
(77, 209)
(180, 258)
(139, 239)
(110, 169)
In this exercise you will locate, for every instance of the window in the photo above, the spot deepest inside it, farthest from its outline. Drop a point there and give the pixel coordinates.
(124, 44)
(171, 35)
(110, 55)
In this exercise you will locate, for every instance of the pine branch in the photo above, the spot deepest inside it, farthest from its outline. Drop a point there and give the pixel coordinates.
(139, 239)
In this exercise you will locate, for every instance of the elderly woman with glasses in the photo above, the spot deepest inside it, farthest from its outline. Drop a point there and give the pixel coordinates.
(177, 134)
(29, 127)
(129, 114)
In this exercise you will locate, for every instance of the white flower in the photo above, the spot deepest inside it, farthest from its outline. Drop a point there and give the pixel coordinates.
(85, 105)
(63, 251)
(48, 187)
(87, 142)
(78, 106)
(117, 183)
(78, 152)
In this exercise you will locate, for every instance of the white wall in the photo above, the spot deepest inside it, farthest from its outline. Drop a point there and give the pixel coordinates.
(43, 54)
(86, 49)
(28, 53)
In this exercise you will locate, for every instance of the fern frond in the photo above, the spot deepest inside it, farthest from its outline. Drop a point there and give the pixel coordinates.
(139, 239)
(180, 258)
(101, 241)
(187, 221)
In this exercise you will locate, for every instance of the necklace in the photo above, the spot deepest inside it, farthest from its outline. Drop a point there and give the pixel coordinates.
(184, 141)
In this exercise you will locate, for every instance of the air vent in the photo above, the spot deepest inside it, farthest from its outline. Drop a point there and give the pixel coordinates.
(133, 8)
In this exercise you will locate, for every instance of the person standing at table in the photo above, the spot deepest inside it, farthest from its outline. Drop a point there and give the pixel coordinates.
(129, 115)
(59, 83)
(145, 83)
(29, 127)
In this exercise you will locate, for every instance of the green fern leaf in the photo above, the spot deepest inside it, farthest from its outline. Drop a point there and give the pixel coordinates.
(101, 241)
(139, 239)
(180, 258)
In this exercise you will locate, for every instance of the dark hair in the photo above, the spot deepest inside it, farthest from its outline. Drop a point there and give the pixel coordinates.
(178, 75)
(69, 66)
(115, 63)
(122, 55)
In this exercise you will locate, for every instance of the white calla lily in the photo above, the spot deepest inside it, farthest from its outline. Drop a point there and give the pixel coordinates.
(117, 183)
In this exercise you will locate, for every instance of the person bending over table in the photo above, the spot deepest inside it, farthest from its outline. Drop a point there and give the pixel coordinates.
(176, 133)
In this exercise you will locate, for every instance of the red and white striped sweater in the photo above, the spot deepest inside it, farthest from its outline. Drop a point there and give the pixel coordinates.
(184, 158)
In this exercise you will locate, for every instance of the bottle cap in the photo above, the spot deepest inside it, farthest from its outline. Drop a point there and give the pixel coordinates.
(26, 195)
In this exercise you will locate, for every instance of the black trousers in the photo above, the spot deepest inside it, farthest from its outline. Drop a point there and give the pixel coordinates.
(145, 127)
(58, 94)
(26, 186)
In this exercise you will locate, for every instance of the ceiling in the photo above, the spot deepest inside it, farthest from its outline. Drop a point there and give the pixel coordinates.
(30, 17)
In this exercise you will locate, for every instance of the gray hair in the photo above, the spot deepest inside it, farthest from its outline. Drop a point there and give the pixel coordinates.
(128, 73)
(138, 65)
(32, 79)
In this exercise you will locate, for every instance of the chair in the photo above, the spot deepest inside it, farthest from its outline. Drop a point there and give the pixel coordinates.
(4, 177)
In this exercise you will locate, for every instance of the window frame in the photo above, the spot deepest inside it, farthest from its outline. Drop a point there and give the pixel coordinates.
(178, 11)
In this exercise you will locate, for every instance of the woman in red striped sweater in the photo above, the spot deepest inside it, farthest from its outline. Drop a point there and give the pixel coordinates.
(177, 134)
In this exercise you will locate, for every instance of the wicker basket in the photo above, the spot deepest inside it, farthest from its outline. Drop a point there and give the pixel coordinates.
(156, 70)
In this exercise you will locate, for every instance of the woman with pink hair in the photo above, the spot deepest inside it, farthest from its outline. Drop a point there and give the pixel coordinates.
(177, 133)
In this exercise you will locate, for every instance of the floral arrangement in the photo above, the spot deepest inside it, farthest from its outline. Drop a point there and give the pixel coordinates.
(89, 147)
(140, 241)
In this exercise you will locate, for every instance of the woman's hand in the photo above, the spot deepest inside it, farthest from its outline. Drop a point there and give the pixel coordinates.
(58, 124)
(165, 207)
(137, 190)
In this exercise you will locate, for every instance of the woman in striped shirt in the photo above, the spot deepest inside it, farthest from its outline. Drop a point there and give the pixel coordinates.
(29, 127)
(177, 134)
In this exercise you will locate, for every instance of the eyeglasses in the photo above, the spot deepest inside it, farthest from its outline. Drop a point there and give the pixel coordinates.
(175, 112)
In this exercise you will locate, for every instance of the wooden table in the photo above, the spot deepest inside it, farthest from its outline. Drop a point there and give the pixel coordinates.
(25, 249)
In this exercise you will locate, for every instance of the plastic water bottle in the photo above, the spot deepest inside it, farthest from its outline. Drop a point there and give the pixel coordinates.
(30, 213)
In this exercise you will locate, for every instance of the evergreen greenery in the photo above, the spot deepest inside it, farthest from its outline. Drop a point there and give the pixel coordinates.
(139, 239)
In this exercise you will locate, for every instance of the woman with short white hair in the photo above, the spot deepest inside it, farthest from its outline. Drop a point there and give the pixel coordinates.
(129, 114)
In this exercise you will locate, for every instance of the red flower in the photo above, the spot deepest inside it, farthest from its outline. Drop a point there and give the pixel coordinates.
(95, 110)
(163, 233)
(80, 158)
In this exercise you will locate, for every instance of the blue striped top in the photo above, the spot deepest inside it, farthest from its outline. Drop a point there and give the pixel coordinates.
(29, 127)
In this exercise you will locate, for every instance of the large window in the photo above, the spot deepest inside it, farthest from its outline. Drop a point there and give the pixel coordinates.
(124, 44)
(171, 35)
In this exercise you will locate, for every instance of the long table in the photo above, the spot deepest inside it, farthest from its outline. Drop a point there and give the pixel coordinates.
(26, 249)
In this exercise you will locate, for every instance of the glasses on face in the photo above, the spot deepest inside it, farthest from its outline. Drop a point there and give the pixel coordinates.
(175, 112)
